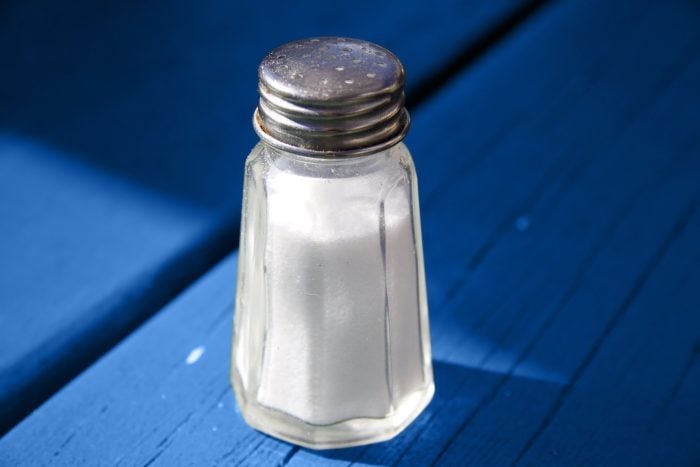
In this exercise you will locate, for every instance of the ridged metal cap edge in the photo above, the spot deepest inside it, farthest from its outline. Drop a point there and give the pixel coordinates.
(331, 97)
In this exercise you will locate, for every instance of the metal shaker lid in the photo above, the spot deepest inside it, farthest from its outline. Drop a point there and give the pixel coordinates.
(331, 96)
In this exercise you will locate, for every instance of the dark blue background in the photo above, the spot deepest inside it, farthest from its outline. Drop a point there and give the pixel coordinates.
(557, 145)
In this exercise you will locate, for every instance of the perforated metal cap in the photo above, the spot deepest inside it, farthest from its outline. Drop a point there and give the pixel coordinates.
(331, 96)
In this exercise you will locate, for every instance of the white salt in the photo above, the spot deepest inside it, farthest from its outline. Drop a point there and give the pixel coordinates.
(342, 337)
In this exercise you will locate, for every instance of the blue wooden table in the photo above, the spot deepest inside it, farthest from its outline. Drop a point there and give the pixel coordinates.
(558, 152)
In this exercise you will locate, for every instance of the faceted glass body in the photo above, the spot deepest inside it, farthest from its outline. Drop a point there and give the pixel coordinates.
(331, 345)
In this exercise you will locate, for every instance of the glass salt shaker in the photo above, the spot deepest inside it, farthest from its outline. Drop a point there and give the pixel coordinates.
(331, 346)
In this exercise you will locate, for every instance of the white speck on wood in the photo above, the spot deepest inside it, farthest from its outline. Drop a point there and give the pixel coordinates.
(195, 355)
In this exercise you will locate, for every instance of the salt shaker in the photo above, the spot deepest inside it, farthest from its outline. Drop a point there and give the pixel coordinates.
(331, 346)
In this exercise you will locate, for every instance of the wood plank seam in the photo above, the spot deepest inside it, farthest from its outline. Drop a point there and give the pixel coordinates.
(552, 173)
(289, 456)
(662, 84)
(612, 324)
(426, 89)
(579, 276)
(692, 360)
(571, 290)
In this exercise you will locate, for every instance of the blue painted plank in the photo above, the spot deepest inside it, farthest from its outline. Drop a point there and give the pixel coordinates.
(637, 394)
(191, 400)
(564, 216)
(542, 360)
(78, 245)
(658, 137)
(124, 129)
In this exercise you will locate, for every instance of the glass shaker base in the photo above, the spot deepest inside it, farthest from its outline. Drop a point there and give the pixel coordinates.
(347, 433)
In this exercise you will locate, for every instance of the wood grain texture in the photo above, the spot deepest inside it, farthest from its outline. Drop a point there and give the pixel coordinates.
(124, 129)
(560, 213)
